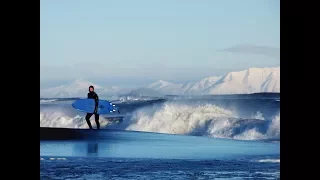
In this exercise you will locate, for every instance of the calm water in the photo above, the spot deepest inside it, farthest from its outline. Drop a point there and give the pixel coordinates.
(137, 155)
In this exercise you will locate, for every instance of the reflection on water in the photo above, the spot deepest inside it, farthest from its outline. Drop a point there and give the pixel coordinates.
(92, 149)
(122, 144)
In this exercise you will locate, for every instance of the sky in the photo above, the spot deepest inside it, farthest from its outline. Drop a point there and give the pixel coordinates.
(130, 43)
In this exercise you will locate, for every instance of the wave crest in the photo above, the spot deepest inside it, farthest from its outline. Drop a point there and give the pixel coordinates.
(207, 120)
(176, 118)
(60, 119)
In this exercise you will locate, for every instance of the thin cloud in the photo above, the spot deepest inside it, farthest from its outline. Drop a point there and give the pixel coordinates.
(254, 49)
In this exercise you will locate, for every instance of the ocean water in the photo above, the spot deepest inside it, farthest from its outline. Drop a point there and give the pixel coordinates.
(204, 137)
(96, 169)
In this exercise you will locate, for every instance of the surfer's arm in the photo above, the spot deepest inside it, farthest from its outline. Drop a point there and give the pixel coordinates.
(96, 99)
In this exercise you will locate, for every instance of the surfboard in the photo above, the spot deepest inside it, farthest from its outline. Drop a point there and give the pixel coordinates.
(88, 105)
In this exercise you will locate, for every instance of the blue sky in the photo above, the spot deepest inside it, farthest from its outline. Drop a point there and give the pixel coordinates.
(128, 43)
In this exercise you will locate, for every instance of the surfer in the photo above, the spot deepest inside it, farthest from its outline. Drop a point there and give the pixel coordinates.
(93, 95)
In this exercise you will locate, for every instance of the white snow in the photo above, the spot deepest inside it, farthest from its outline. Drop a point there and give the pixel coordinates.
(252, 80)
(202, 85)
(78, 88)
(143, 92)
(166, 87)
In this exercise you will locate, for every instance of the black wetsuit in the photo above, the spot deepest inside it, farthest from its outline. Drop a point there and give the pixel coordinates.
(93, 95)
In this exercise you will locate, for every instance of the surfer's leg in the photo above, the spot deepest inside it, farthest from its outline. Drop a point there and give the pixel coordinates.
(88, 119)
(96, 118)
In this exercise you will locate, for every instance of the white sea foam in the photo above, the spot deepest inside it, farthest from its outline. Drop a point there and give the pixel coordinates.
(178, 118)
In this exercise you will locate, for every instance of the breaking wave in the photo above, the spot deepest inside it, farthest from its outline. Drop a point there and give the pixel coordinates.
(60, 119)
(43, 101)
(176, 118)
(270, 160)
(202, 120)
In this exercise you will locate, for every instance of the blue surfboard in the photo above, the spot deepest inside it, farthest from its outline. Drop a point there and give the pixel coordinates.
(88, 105)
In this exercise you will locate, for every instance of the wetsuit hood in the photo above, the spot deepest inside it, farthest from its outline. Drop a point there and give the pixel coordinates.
(90, 87)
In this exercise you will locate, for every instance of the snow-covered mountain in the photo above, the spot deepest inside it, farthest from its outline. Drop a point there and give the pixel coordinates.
(78, 88)
(166, 87)
(199, 87)
(140, 92)
(252, 80)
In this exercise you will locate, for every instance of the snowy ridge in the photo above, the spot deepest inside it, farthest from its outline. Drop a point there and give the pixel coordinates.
(202, 85)
(143, 92)
(252, 80)
(166, 87)
(78, 88)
